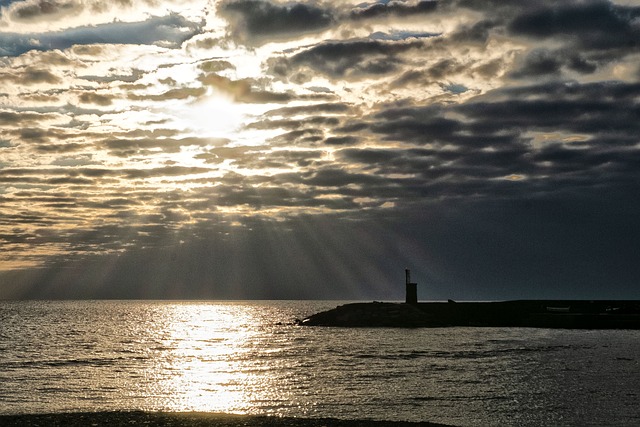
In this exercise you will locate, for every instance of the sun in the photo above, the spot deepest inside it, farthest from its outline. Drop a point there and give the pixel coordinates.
(213, 115)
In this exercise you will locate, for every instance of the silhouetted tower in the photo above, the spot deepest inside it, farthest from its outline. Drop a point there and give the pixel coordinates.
(412, 289)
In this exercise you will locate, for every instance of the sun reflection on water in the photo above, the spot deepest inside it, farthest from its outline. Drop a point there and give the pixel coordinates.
(211, 361)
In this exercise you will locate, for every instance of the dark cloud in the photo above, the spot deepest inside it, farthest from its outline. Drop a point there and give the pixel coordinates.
(243, 90)
(95, 98)
(542, 62)
(39, 135)
(331, 176)
(312, 121)
(421, 125)
(177, 93)
(341, 140)
(25, 118)
(125, 147)
(444, 68)
(325, 108)
(376, 10)
(256, 19)
(215, 66)
(167, 31)
(606, 108)
(348, 59)
(218, 155)
(261, 197)
(61, 148)
(29, 76)
(477, 32)
(309, 136)
(305, 124)
(55, 58)
(134, 75)
(468, 153)
(33, 11)
(585, 35)
(88, 50)
(83, 178)
(299, 158)
(589, 25)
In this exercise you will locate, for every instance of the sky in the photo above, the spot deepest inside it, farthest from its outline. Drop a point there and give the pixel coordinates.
(258, 149)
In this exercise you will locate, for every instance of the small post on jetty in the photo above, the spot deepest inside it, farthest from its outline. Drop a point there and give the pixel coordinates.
(411, 289)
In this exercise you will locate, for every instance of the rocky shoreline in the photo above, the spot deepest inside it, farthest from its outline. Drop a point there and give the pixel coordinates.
(187, 419)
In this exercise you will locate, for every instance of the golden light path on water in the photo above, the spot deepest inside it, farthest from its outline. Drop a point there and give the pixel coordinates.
(216, 361)
(247, 358)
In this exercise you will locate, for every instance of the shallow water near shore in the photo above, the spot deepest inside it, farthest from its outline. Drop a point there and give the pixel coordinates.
(248, 358)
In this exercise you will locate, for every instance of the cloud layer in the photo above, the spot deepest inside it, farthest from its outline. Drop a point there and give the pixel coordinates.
(480, 144)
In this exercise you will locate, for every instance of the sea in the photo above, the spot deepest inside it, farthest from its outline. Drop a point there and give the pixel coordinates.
(249, 357)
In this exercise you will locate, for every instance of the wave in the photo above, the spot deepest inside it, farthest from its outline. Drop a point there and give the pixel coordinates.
(92, 361)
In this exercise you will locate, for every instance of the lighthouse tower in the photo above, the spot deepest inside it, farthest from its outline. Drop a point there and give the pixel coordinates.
(412, 289)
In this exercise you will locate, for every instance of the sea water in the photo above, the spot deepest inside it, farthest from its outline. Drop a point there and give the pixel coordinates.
(249, 358)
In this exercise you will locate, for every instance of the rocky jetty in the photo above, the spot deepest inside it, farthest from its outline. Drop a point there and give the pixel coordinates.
(570, 314)
(375, 314)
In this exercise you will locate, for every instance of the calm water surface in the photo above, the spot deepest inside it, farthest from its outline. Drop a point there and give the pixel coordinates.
(246, 357)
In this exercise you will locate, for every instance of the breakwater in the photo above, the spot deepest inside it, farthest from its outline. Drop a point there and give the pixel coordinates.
(571, 314)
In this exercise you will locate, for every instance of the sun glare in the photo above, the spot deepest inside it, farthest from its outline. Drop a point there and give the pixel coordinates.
(209, 366)
(216, 116)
